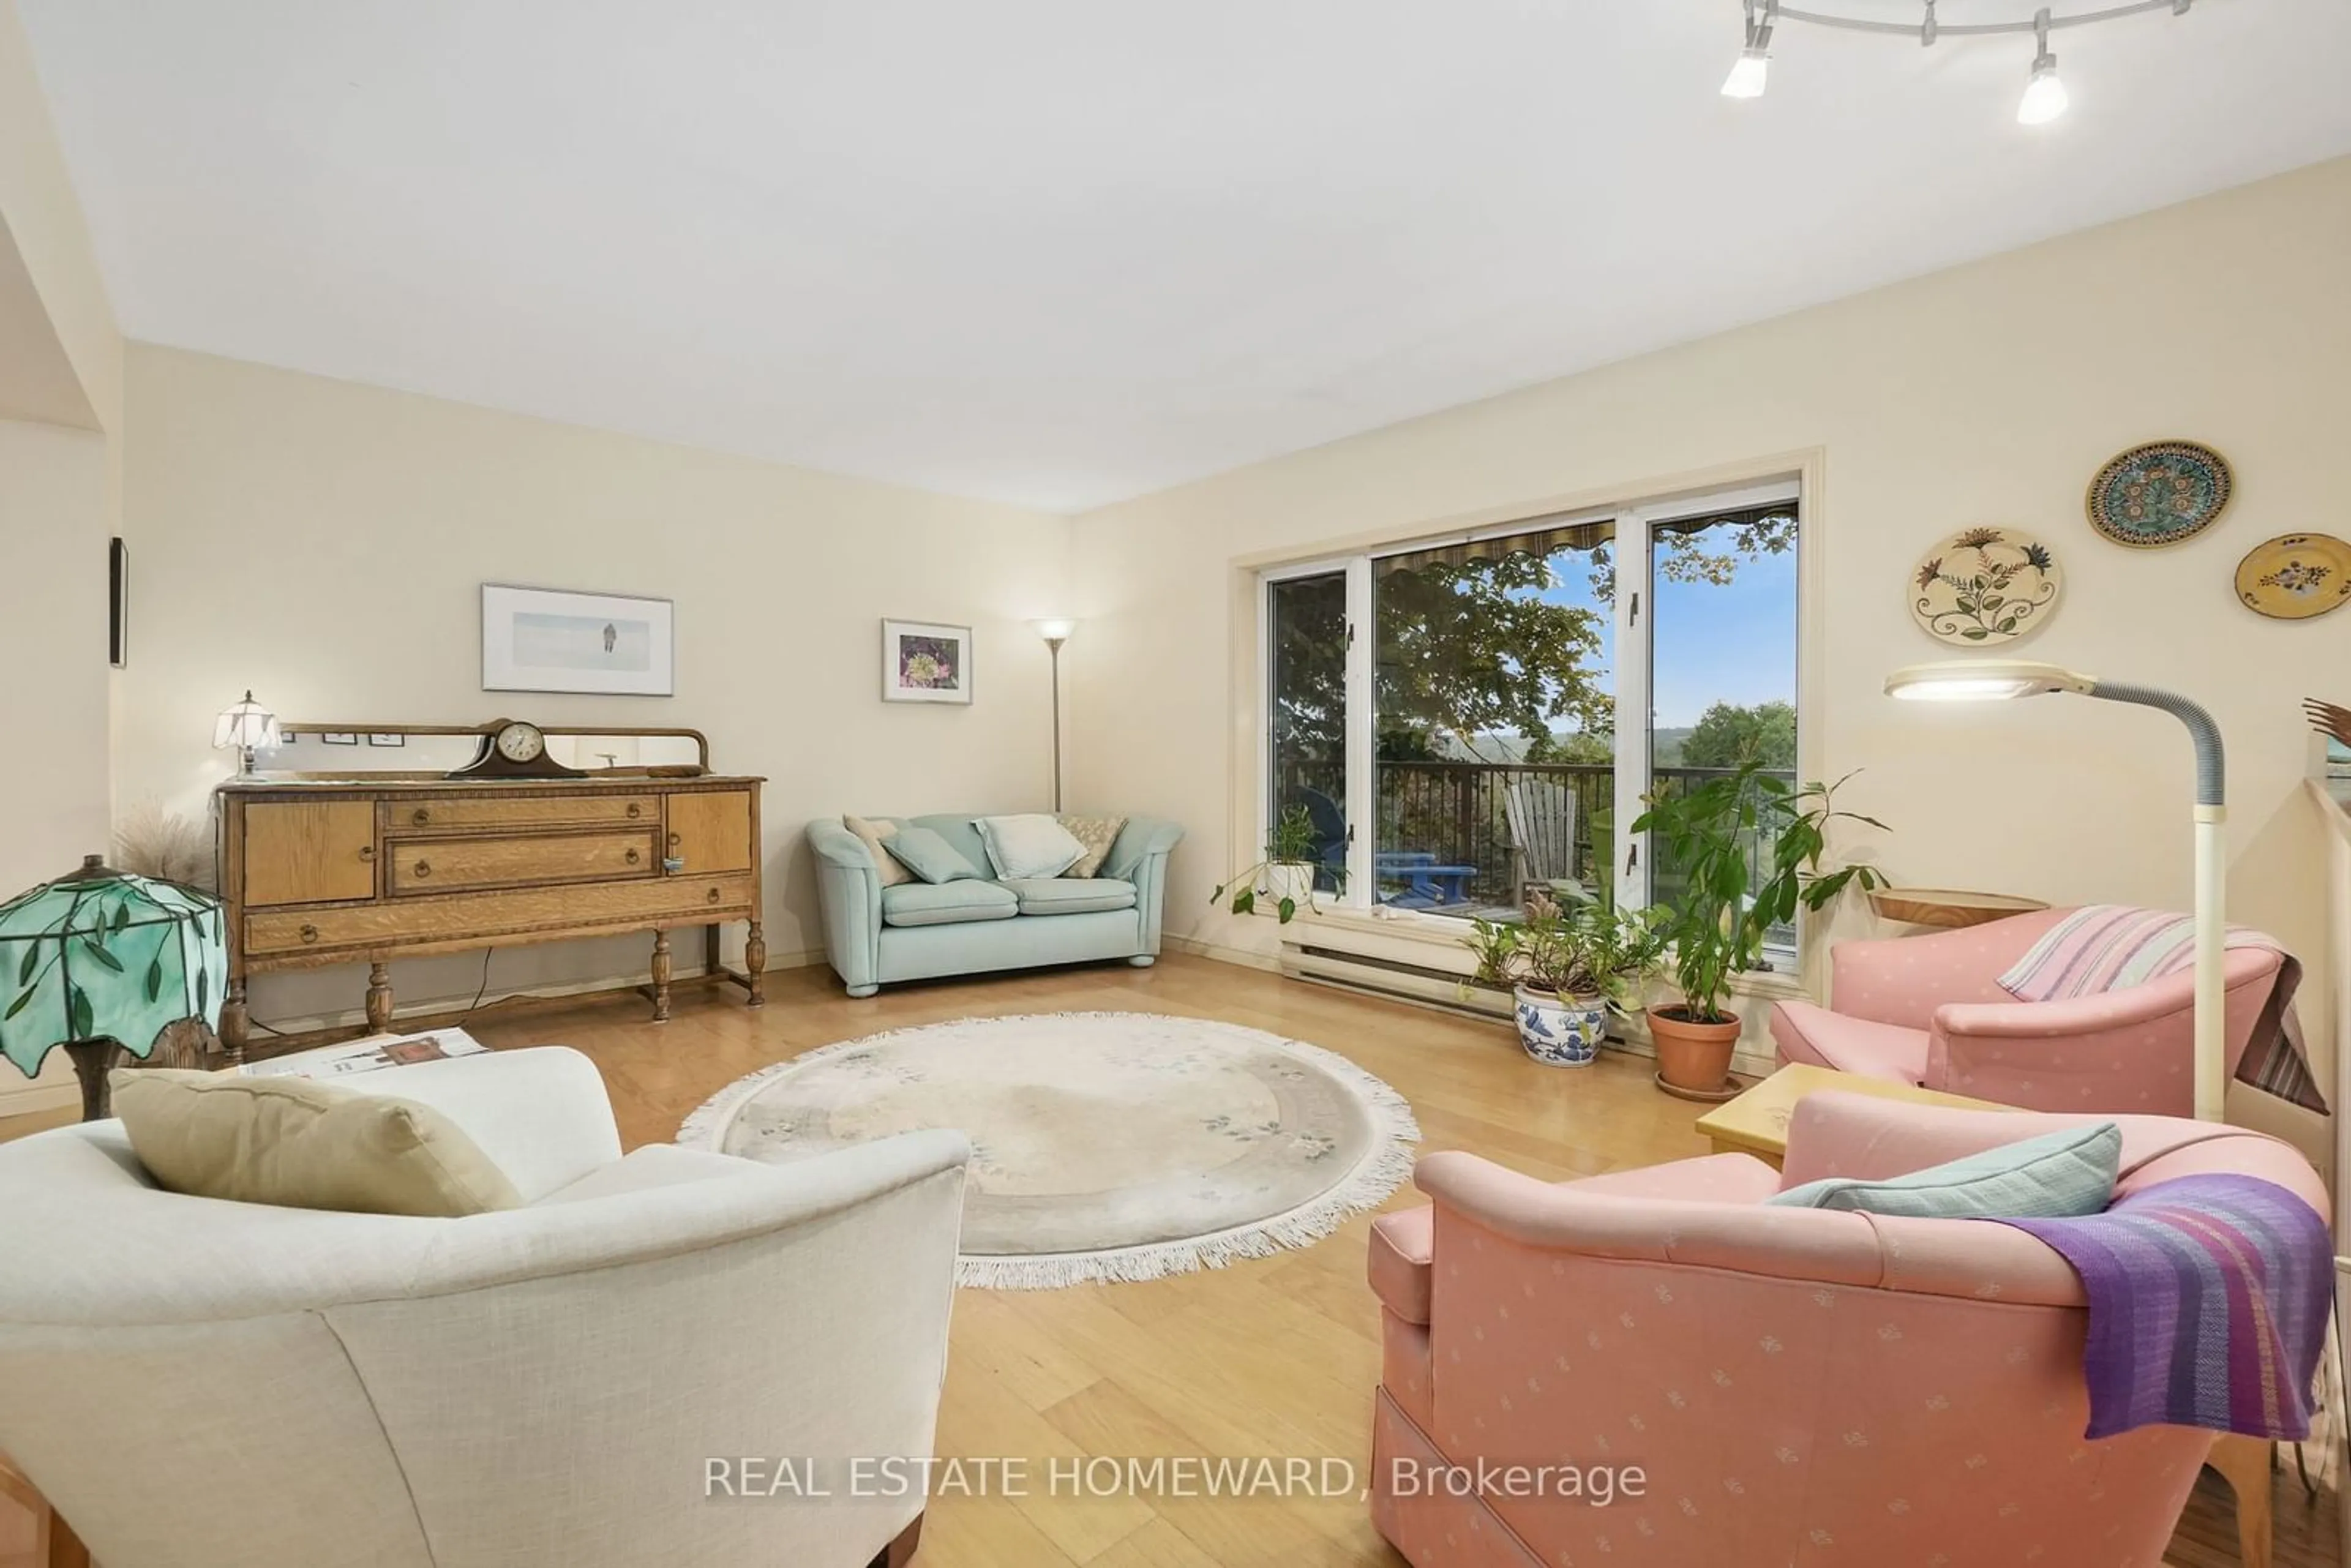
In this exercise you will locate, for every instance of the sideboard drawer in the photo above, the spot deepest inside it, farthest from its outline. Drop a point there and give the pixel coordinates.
(469, 919)
(573, 811)
(455, 866)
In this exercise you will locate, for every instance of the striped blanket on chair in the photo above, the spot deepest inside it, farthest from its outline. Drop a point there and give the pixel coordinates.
(2104, 947)
(2208, 1298)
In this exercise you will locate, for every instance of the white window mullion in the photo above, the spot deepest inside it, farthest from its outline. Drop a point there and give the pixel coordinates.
(1635, 716)
(1361, 727)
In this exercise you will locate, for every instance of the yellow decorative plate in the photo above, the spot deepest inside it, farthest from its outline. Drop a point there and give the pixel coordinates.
(2295, 576)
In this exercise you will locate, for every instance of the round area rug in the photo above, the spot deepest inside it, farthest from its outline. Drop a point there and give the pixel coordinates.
(1104, 1145)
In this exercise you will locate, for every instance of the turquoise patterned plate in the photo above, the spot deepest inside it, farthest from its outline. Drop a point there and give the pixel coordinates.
(2159, 494)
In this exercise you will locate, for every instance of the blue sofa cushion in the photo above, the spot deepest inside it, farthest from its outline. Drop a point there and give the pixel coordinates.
(948, 903)
(929, 856)
(961, 829)
(1070, 894)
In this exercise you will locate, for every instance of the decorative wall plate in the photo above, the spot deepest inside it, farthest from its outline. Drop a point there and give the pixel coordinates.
(2159, 494)
(2295, 576)
(1985, 586)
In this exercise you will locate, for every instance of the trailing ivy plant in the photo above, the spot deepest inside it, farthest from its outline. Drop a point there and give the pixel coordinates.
(1727, 908)
(1290, 841)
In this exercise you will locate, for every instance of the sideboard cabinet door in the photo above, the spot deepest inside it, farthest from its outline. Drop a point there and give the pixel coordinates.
(710, 831)
(309, 852)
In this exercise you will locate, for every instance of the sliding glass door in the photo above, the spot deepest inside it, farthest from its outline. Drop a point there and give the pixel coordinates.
(1306, 707)
(1722, 659)
(1494, 755)
(1489, 712)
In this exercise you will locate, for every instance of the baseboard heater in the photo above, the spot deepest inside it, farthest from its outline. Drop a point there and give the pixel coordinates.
(1390, 977)
(1374, 962)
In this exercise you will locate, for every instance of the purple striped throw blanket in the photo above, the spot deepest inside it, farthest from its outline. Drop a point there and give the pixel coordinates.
(2208, 1305)
(2104, 947)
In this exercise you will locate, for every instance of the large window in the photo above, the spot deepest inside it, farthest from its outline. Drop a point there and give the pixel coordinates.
(1487, 710)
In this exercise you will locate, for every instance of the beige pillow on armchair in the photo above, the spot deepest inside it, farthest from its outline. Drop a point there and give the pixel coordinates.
(293, 1143)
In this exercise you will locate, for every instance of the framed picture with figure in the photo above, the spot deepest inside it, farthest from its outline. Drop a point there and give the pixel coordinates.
(548, 640)
(922, 663)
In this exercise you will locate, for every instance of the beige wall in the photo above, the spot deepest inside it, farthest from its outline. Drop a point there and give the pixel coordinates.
(1986, 394)
(53, 672)
(45, 218)
(59, 501)
(324, 543)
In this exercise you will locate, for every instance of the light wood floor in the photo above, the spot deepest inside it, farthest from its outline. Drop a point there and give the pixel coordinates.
(1278, 1356)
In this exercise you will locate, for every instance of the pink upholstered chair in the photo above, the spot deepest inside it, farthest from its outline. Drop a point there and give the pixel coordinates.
(1927, 1010)
(1796, 1386)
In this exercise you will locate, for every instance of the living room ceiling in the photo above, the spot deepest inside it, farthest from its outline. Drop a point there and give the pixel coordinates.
(1062, 252)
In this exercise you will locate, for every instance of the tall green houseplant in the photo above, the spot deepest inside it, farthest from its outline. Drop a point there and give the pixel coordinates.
(1733, 898)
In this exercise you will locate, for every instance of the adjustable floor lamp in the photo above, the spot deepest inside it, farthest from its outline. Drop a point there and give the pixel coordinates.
(1991, 680)
(1056, 631)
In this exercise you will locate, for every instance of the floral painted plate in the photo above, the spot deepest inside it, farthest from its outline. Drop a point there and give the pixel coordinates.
(2159, 494)
(1982, 587)
(2295, 576)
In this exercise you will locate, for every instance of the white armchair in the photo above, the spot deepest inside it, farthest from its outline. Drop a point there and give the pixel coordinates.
(197, 1384)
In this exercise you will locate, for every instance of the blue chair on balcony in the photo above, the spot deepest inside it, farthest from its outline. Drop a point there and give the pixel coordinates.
(1330, 837)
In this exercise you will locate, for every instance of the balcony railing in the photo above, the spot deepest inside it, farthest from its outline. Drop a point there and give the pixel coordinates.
(1443, 840)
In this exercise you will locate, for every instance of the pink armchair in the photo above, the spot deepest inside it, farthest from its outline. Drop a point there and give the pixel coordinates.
(1927, 1010)
(1795, 1386)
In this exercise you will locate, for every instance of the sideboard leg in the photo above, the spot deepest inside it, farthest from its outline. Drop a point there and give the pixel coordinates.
(710, 955)
(379, 998)
(661, 976)
(235, 1022)
(755, 967)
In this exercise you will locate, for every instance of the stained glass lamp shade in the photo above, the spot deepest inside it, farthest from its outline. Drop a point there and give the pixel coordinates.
(105, 958)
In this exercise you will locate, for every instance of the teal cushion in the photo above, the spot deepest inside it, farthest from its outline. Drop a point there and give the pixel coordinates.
(923, 851)
(946, 903)
(2056, 1175)
(961, 831)
(1071, 894)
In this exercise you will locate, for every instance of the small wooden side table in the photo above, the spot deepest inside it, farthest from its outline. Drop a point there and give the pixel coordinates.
(1946, 908)
(1757, 1122)
(55, 1545)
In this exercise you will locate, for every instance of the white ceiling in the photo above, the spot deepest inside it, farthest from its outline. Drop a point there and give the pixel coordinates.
(1066, 251)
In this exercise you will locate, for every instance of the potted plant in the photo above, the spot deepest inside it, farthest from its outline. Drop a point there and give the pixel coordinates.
(1731, 902)
(1571, 967)
(1287, 874)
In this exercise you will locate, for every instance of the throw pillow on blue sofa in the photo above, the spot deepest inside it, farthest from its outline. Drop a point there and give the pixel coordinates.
(923, 851)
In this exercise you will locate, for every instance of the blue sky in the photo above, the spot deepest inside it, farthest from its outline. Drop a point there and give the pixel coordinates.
(1733, 643)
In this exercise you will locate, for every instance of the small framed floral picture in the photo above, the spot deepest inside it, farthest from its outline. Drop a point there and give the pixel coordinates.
(925, 664)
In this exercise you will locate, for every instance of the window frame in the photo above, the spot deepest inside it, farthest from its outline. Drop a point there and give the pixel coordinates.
(1797, 479)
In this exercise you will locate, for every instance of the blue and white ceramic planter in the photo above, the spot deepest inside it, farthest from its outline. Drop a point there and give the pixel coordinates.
(1560, 1031)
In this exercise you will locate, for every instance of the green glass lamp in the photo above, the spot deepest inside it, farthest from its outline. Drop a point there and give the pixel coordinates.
(101, 961)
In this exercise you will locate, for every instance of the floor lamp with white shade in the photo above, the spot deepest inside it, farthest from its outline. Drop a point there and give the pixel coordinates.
(1992, 680)
(1056, 631)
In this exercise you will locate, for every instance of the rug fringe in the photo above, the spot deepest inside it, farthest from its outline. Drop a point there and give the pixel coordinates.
(1396, 1133)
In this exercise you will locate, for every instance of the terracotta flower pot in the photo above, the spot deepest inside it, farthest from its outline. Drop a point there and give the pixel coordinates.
(1692, 1055)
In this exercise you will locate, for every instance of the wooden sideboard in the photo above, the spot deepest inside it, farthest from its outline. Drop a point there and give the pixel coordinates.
(315, 873)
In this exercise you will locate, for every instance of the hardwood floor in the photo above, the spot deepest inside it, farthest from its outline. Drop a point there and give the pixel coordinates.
(1278, 1356)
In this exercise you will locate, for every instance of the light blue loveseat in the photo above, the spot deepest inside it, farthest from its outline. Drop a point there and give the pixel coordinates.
(877, 935)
